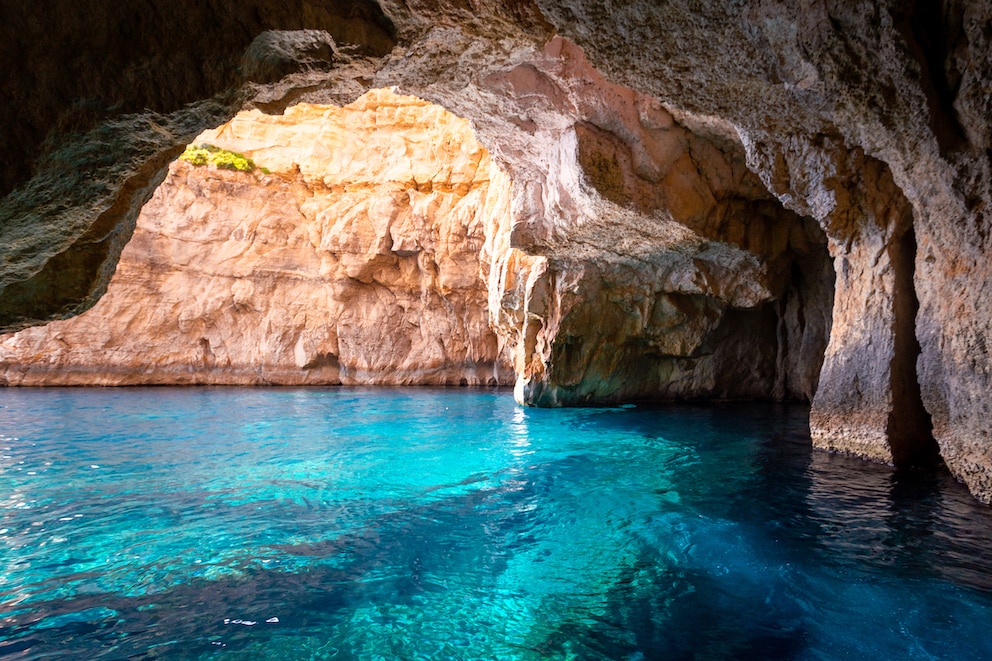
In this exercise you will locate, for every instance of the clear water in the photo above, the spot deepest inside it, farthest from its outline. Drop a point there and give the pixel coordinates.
(451, 524)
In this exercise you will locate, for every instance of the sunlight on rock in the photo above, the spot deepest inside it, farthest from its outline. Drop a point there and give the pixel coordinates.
(350, 254)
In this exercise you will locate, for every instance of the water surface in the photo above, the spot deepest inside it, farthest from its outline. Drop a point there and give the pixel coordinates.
(194, 523)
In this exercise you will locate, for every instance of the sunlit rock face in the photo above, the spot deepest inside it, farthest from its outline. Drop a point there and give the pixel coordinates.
(356, 260)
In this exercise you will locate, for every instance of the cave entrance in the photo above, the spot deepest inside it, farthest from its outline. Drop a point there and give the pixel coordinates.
(324, 245)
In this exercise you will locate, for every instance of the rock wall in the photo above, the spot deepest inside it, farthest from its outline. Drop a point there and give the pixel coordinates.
(868, 117)
(355, 259)
(872, 118)
(641, 259)
(670, 273)
(99, 99)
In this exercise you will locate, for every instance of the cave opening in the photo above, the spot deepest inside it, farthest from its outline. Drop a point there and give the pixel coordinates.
(370, 244)
(320, 246)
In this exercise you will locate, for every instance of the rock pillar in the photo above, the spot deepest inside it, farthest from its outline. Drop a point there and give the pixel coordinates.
(868, 401)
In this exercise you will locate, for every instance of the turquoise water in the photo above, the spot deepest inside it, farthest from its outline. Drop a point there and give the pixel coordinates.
(198, 523)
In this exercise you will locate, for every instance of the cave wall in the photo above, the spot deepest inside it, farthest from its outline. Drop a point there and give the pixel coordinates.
(868, 117)
(810, 87)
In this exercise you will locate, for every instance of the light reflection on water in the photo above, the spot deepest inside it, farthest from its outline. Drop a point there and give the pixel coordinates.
(403, 524)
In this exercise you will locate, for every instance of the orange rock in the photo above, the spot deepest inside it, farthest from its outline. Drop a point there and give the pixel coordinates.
(356, 260)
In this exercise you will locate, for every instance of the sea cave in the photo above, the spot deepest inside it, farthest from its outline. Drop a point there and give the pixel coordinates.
(518, 330)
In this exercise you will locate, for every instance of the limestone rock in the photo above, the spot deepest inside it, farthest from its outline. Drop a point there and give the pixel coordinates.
(275, 54)
(354, 260)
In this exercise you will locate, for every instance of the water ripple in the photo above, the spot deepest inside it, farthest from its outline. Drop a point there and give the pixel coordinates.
(355, 524)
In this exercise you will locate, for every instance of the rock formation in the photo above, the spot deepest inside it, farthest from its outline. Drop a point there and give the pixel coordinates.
(872, 118)
(645, 260)
(625, 129)
(685, 278)
(352, 258)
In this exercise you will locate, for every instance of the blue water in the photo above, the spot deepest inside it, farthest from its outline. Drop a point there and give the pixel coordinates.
(199, 523)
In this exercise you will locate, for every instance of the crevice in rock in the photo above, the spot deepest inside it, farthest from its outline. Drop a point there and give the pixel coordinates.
(805, 314)
(922, 24)
(909, 428)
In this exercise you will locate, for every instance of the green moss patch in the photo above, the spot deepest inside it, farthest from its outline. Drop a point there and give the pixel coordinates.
(221, 158)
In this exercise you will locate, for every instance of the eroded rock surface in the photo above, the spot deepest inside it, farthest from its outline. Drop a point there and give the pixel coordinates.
(828, 97)
(354, 260)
